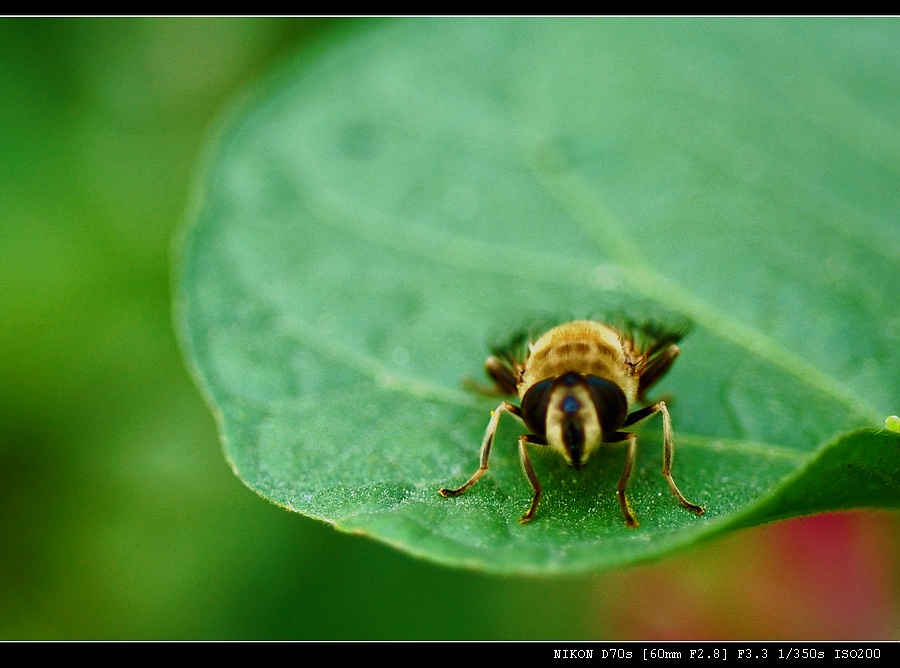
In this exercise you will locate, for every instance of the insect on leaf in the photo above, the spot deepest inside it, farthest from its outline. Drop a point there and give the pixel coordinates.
(373, 212)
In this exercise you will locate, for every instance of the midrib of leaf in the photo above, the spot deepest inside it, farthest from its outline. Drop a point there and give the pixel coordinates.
(388, 379)
(785, 176)
(573, 195)
(416, 241)
(784, 179)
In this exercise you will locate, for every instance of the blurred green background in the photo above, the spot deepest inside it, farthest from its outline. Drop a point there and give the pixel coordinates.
(119, 517)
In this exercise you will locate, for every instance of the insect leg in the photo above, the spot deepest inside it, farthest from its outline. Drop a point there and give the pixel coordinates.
(505, 381)
(501, 374)
(656, 369)
(626, 474)
(524, 439)
(668, 449)
(668, 456)
(486, 444)
(639, 415)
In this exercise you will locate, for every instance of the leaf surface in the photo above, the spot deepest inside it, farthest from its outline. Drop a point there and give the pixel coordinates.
(375, 214)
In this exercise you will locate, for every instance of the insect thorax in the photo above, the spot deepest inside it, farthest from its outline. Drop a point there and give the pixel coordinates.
(590, 348)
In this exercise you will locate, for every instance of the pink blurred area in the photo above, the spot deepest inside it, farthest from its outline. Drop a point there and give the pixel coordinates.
(825, 577)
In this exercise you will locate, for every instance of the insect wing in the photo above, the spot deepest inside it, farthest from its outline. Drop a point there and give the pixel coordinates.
(650, 329)
(513, 349)
(653, 337)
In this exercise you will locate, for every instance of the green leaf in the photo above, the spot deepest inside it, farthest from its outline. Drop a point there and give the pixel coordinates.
(387, 204)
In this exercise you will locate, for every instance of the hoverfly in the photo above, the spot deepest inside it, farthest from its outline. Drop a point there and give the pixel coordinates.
(578, 384)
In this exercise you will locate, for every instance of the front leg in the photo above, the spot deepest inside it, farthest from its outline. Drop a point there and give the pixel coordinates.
(668, 456)
(486, 444)
(668, 449)
(626, 474)
(529, 472)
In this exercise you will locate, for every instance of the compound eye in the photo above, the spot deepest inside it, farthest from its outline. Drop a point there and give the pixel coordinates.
(610, 402)
(534, 406)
